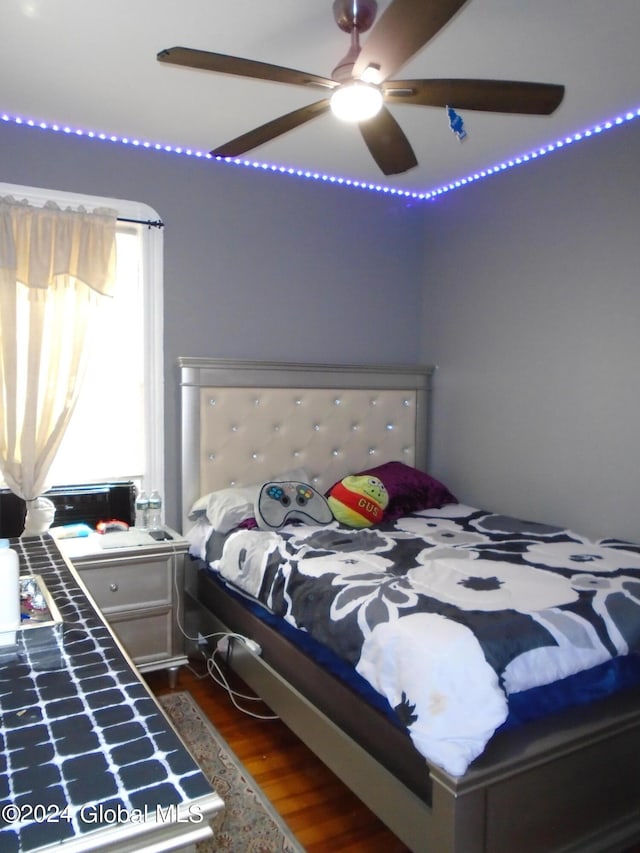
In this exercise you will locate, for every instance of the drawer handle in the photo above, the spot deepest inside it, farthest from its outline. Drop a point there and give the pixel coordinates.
(113, 587)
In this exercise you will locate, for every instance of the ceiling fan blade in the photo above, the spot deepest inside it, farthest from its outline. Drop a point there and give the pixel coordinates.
(387, 143)
(223, 64)
(270, 130)
(404, 28)
(498, 96)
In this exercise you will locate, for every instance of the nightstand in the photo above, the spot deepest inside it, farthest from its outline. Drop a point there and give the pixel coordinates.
(139, 589)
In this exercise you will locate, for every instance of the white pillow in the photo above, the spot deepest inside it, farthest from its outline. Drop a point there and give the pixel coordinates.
(227, 508)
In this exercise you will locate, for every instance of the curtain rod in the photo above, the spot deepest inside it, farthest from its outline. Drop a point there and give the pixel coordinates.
(150, 223)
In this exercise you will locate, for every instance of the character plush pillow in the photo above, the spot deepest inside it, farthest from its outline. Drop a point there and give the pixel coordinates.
(358, 501)
(279, 503)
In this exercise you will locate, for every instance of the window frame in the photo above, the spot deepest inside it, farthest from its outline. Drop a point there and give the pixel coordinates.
(153, 299)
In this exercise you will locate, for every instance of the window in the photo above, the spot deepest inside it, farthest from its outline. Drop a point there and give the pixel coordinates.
(113, 433)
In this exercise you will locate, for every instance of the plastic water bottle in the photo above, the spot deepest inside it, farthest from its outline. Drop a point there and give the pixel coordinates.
(9, 594)
(142, 510)
(154, 516)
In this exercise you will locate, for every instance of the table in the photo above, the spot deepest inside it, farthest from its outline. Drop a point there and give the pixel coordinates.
(88, 759)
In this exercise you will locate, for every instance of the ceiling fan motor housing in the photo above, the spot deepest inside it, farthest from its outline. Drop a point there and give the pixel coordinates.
(354, 17)
(355, 14)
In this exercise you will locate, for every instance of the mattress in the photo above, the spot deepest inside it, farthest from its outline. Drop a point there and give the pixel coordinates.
(460, 621)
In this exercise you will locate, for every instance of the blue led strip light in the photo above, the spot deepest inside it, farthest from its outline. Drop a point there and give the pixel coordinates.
(427, 195)
(534, 155)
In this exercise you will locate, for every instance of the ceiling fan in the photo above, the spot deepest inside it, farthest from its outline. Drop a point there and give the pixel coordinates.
(403, 29)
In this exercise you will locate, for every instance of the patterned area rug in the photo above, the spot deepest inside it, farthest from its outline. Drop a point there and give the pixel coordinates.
(249, 823)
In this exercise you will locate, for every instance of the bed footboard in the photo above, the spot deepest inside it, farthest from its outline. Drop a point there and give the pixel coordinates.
(568, 783)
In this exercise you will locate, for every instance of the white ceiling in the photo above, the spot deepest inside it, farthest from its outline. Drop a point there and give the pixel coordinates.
(92, 66)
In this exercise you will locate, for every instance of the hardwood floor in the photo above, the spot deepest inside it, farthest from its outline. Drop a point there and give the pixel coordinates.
(321, 812)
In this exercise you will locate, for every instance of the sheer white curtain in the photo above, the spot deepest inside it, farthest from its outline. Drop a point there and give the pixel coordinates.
(56, 266)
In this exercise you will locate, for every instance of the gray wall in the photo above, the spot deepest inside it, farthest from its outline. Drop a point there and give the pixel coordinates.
(257, 266)
(532, 314)
(528, 285)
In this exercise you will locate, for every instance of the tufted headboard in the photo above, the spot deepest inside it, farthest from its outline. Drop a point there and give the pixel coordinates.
(245, 422)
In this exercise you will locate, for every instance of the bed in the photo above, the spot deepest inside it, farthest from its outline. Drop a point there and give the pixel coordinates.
(557, 773)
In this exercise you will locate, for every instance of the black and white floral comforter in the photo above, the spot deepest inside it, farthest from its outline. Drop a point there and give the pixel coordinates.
(445, 612)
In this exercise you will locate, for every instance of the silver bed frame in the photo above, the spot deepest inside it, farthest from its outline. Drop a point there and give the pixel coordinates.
(566, 783)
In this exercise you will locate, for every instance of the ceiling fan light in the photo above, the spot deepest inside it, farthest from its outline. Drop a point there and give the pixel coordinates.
(356, 101)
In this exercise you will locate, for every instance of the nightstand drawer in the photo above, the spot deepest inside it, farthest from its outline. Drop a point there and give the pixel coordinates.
(145, 635)
(137, 582)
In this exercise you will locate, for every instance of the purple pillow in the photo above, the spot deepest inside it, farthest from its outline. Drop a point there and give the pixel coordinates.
(410, 490)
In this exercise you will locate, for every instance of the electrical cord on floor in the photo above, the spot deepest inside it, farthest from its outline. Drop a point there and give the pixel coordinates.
(216, 673)
(200, 676)
(213, 668)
